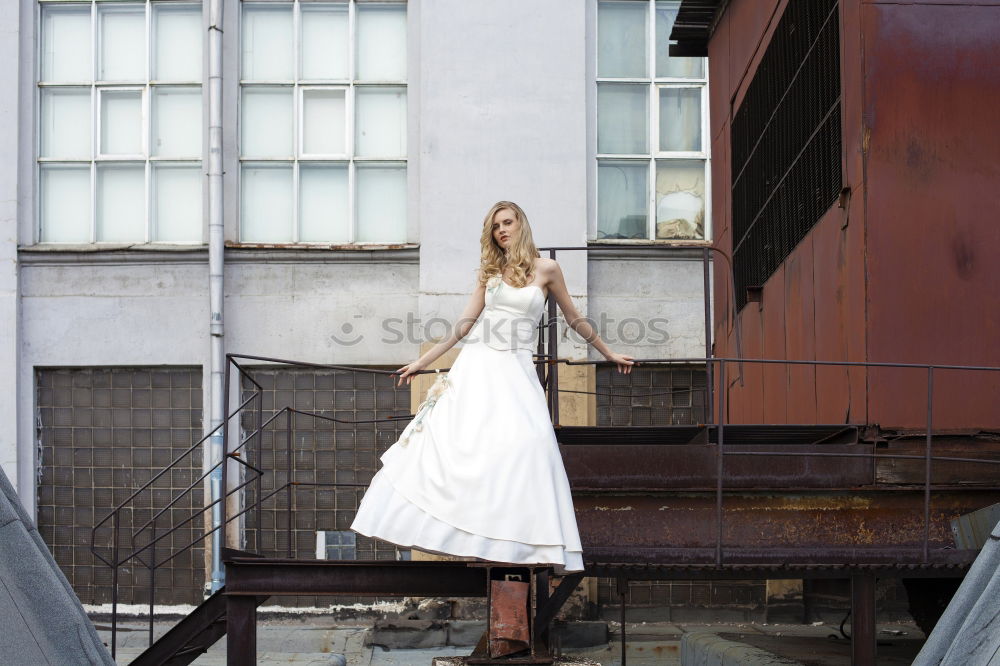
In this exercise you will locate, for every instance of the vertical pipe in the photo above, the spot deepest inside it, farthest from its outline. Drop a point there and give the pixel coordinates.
(216, 248)
(863, 649)
(720, 417)
(927, 463)
(707, 297)
(220, 483)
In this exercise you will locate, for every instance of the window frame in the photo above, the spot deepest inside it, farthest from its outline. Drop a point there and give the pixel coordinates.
(97, 88)
(654, 156)
(299, 87)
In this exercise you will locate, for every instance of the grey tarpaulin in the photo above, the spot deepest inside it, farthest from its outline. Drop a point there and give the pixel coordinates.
(968, 634)
(41, 619)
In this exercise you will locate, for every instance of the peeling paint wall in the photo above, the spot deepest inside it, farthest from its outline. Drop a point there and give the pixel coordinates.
(897, 273)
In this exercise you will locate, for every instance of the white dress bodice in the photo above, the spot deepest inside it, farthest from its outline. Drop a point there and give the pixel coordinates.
(509, 320)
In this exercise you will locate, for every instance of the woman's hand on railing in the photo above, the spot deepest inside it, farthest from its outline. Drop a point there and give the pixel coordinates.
(623, 361)
(408, 371)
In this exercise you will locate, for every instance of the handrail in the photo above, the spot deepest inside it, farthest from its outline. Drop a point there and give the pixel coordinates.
(548, 362)
(158, 535)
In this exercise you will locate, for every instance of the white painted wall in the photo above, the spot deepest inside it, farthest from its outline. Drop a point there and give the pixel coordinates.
(502, 116)
(9, 135)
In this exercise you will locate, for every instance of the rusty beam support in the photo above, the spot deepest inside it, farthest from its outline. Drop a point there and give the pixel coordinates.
(694, 466)
(846, 526)
(863, 647)
(622, 586)
(957, 569)
(548, 607)
(241, 630)
(540, 601)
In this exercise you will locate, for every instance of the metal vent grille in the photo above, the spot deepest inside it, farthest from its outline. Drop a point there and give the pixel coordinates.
(786, 142)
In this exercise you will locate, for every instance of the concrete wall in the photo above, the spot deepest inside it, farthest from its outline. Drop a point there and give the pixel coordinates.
(501, 103)
(9, 70)
(502, 115)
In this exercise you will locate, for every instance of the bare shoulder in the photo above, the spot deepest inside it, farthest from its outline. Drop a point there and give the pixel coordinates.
(546, 266)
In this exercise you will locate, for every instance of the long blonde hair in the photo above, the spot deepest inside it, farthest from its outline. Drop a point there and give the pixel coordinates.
(521, 256)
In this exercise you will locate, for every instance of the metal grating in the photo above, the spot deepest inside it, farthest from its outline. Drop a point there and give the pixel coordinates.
(786, 142)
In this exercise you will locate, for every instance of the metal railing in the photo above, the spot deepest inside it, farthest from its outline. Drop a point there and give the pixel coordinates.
(143, 539)
(139, 543)
(144, 543)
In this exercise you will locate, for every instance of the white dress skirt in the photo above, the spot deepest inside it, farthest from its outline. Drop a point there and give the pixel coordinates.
(477, 472)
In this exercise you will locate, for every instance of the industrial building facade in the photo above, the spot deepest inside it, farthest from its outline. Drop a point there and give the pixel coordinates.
(361, 144)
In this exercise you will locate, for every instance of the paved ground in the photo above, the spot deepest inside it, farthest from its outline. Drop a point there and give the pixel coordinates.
(311, 642)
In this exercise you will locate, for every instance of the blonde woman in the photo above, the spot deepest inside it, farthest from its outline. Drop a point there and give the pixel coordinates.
(477, 472)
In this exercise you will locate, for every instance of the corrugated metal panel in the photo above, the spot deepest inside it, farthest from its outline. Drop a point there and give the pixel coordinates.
(973, 530)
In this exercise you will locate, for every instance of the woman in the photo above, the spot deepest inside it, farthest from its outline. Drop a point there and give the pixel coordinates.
(477, 472)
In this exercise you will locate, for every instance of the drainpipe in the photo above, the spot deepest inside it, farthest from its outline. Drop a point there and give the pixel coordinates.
(216, 248)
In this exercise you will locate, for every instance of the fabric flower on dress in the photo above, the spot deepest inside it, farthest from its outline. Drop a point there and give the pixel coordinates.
(436, 390)
(493, 283)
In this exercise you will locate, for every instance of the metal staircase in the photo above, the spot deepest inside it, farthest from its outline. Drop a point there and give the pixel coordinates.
(192, 636)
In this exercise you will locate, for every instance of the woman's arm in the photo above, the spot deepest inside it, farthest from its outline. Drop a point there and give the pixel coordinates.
(465, 322)
(577, 322)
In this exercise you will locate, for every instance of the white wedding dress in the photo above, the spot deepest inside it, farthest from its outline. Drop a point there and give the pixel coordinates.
(477, 472)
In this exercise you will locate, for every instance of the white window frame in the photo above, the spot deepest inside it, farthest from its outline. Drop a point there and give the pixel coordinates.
(654, 156)
(299, 86)
(97, 89)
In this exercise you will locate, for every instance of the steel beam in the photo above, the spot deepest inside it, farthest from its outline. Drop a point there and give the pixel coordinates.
(241, 630)
(836, 526)
(863, 647)
(260, 576)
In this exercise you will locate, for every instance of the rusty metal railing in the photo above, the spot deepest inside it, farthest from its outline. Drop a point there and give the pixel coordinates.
(140, 542)
(720, 423)
(143, 539)
(145, 543)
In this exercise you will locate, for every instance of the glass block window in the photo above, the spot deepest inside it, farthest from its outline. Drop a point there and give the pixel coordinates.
(103, 433)
(652, 151)
(120, 122)
(323, 122)
(342, 545)
(339, 545)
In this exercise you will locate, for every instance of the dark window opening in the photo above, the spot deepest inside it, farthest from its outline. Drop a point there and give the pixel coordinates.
(786, 142)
